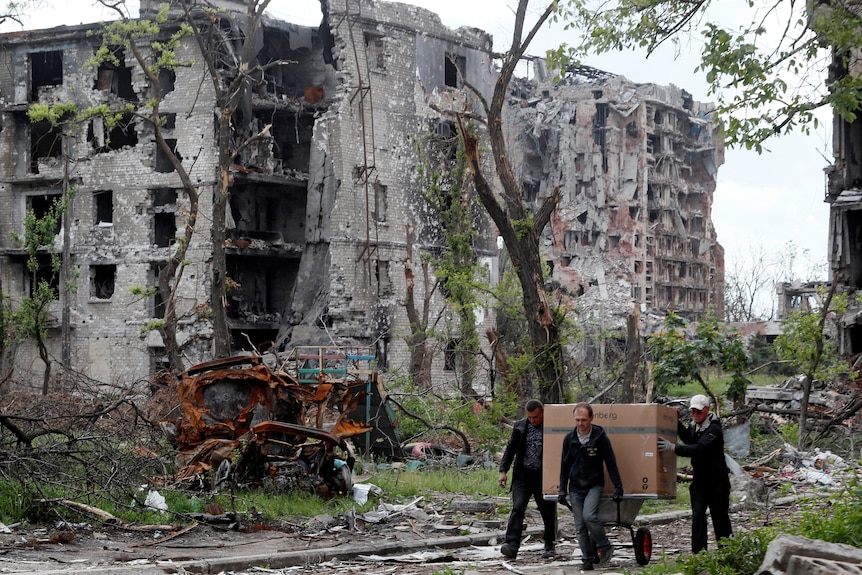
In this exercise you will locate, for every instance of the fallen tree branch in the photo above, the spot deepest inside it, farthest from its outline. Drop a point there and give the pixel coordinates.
(84, 508)
(431, 426)
(173, 535)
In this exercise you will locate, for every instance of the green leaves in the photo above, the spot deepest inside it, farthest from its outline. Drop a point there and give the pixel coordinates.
(680, 358)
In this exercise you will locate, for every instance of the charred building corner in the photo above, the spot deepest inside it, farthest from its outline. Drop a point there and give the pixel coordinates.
(319, 207)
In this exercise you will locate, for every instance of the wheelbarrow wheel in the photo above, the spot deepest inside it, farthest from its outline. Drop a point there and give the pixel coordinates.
(643, 545)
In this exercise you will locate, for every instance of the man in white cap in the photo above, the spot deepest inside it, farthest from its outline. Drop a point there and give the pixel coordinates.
(710, 485)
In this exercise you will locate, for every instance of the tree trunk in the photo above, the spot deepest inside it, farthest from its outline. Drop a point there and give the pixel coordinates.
(633, 354)
(218, 297)
(519, 227)
(421, 355)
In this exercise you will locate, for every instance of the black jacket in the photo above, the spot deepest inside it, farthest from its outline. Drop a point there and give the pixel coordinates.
(583, 465)
(516, 448)
(705, 448)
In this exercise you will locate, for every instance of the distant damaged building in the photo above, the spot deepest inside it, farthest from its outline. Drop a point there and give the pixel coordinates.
(321, 201)
(637, 165)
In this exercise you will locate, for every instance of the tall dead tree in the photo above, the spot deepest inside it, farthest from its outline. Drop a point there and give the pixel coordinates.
(519, 226)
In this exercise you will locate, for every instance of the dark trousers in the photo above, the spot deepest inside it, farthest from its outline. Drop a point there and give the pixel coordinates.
(714, 495)
(529, 485)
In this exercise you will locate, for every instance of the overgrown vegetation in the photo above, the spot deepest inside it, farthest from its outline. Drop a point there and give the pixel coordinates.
(835, 519)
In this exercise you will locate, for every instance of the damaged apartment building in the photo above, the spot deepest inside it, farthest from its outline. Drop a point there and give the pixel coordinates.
(319, 208)
(844, 196)
(637, 166)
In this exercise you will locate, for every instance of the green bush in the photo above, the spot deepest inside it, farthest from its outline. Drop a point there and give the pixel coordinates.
(841, 522)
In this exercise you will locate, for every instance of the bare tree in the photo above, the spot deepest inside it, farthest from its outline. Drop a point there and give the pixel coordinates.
(749, 284)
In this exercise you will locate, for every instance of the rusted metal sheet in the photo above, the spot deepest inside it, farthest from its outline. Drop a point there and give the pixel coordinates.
(242, 420)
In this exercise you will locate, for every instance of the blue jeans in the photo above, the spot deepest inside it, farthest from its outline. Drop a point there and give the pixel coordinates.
(589, 530)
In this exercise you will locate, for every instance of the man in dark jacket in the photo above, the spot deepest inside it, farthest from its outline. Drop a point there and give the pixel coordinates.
(586, 452)
(710, 484)
(525, 450)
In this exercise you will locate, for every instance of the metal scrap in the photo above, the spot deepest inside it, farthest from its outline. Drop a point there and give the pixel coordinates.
(243, 422)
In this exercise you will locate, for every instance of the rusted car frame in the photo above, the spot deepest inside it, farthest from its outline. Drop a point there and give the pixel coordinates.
(242, 420)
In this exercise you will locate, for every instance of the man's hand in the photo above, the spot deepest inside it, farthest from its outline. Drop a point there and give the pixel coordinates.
(563, 498)
(502, 480)
(665, 445)
(618, 494)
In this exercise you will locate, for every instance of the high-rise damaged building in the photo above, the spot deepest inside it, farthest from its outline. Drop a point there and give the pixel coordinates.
(321, 199)
(637, 164)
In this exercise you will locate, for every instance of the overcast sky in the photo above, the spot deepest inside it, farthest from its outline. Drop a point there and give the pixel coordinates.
(763, 200)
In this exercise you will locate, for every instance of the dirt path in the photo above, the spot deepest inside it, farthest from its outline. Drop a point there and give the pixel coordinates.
(403, 547)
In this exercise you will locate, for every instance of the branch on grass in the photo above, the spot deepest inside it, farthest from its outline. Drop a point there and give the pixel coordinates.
(433, 427)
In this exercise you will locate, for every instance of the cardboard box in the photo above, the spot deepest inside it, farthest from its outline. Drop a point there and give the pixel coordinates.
(633, 430)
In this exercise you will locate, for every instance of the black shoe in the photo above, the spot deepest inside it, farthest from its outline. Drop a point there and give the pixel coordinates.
(509, 551)
(587, 566)
(605, 554)
(550, 552)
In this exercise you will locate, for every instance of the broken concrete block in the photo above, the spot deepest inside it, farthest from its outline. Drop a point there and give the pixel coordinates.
(786, 547)
(814, 566)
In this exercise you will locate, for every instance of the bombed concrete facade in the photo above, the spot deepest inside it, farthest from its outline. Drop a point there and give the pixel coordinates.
(637, 166)
(319, 207)
(844, 195)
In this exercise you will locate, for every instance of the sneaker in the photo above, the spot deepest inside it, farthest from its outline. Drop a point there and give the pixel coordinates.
(605, 554)
(550, 552)
(587, 566)
(509, 551)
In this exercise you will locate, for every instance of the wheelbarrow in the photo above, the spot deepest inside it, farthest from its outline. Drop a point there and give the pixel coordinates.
(623, 513)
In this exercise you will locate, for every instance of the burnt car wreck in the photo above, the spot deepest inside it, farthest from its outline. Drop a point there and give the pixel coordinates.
(244, 422)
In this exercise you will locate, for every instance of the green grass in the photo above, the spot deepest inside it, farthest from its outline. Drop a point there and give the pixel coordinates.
(404, 484)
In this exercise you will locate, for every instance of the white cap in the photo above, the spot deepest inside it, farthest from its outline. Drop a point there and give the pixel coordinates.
(699, 402)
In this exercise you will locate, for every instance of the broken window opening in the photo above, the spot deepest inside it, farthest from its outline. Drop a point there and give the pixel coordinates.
(158, 301)
(638, 266)
(122, 134)
(46, 141)
(384, 283)
(169, 121)
(600, 121)
(167, 81)
(450, 355)
(634, 212)
(164, 201)
(115, 77)
(44, 273)
(252, 340)
(453, 65)
(43, 205)
(46, 69)
(375, 52)
(291, 140)
(853, 259)
(379, 202)
(103, 204)
(652, 144)
(263, 284)
(614, 242)
(102, 281)
(163, 160)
